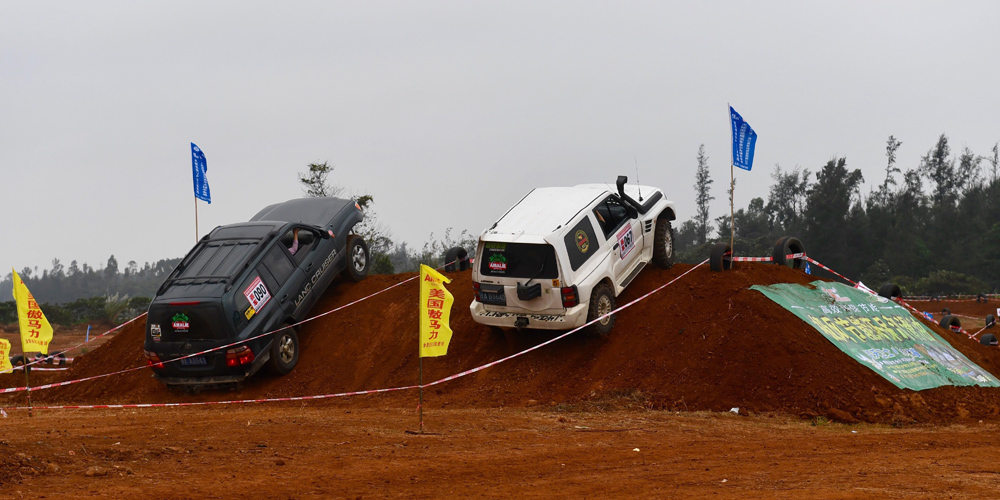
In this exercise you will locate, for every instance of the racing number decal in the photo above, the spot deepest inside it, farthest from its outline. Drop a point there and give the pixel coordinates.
(257, 294)
(625, 241)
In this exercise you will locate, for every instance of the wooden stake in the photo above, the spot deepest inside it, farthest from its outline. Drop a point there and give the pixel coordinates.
(420, 406)
(27, 383)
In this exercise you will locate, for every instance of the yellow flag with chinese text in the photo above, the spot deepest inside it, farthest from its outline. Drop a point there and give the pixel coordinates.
(5, 366)
(36, 332)
(435, 309)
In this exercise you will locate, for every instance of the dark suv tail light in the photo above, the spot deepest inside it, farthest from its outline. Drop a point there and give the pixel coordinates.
(475, 290)
(570, 297)
(153, 359)
(239, 356)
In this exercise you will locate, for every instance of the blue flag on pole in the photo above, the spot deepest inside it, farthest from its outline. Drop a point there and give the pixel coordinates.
(744, 141)
(199, 169)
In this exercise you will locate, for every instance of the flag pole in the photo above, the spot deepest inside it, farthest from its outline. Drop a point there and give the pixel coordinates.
(420, 406)
(732, 182)
(196, 219)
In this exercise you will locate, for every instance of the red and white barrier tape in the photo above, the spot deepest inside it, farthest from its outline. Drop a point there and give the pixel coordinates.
(70, 382)
(547, 342)
(207, 403)
(357, 393)
(127, 370)
(813, 261)
(791, 256)
(926, 298)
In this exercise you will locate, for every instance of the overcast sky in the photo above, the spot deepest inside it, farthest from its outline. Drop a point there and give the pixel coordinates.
(449, 112)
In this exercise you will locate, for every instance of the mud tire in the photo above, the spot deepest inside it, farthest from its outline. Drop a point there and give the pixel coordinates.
(663, 244)
(785, 246)
(602, 300)
(284, 351)
(456, 259)
(721, 257)
(950, 322)
(890, 291)
(358, 258)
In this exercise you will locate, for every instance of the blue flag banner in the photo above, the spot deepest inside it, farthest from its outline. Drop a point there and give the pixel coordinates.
(744, 141)
(199, 169)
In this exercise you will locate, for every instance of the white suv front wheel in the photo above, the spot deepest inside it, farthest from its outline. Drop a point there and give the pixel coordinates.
(663, 244)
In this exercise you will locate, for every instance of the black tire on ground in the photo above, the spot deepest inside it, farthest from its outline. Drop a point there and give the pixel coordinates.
(663, 244)
(945, 311)
(785, 246)
(981, 298)
(16, 360)
(991, 321)
(988, 339)
(951, 322)
(284, 351)
(602, 301)
(456, 259)
(721, 258)
(357, 258)
(890, 291)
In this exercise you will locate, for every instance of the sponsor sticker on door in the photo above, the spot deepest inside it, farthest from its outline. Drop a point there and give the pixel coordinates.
(257, 294)
(625, 240)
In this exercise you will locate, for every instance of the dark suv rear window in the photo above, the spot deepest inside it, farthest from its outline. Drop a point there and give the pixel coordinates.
(218, 258)
(518, 260)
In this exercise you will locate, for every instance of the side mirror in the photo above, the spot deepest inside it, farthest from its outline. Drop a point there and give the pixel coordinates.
(324, 233)
(631, 211)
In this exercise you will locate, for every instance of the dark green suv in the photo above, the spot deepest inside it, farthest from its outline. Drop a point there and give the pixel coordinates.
(244, 285)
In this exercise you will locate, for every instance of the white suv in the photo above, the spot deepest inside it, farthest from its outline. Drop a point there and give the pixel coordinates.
(559, 257)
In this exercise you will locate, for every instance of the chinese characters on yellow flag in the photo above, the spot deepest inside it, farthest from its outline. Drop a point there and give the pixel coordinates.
(36, 332)
(435, 309)
(5, 366)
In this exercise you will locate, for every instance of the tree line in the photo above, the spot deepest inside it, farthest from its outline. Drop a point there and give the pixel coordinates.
(83, 294)
(932, 229)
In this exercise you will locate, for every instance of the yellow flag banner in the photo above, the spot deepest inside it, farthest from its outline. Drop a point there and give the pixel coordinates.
(5, 366)
(435, 310)
(36, 332)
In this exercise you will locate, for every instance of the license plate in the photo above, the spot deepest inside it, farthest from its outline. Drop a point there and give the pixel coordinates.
(493, 298)
(195, 361)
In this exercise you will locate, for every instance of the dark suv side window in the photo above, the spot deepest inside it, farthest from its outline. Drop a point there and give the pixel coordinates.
(277, 262)
(610, 215)
(306, 241)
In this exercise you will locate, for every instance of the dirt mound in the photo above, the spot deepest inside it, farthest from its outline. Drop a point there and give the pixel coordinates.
(965, 307)
(705, 343)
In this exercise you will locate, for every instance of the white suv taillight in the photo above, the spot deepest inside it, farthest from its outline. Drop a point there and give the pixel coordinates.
(570, 297)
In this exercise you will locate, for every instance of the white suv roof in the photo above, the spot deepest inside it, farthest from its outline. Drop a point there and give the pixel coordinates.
(545, 210)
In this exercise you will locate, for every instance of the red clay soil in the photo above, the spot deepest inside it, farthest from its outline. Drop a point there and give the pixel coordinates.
(705, 343)
(964, 308)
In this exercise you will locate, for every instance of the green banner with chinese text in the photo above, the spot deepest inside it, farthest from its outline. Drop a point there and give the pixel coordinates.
(879, 334)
